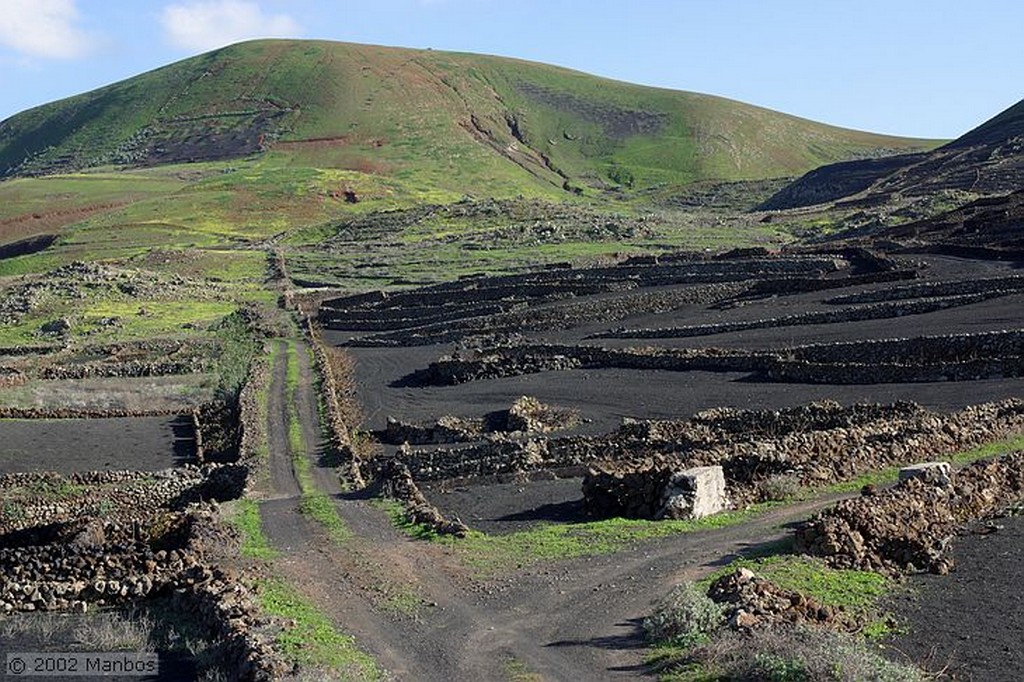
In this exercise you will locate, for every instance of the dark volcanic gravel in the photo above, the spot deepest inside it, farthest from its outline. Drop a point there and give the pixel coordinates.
(508, 507)
(70, 445)
(971, 622)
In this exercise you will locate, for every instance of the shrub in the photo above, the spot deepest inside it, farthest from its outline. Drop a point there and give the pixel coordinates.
(787, 654)
(779, 488)
(685, 617)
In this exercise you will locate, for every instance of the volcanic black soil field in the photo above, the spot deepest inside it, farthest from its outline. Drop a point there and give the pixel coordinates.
(72, 445)
(668, 338)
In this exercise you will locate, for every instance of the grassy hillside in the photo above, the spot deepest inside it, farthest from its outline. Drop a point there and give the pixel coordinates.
(202, 161)
(453, 122)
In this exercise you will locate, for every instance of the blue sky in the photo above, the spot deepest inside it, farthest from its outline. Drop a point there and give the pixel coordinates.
(929, 68)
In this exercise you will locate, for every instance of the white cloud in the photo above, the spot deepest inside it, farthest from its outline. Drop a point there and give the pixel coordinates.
(43, 28)
(207, 24)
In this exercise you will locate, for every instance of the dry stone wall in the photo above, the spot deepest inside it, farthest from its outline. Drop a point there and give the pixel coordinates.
(525, 415)
(991, 285)
(816, 444)
(953, 357)
(909, 527)
(635, 487)
(871, 311)
(394, 480)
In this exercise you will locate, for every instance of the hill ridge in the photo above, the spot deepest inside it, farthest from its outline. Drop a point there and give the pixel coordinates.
(447, 119)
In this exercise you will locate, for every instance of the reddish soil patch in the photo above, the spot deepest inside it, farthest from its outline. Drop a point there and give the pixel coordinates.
(31, 224)
(70, 445)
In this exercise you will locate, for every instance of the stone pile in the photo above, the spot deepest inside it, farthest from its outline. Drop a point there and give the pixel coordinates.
(529, 415)
(751, 602)
(11, 376)
(908, 527)
(526, 415)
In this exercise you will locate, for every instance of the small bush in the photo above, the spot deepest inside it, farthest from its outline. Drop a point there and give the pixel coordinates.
(685, 617)
(779, 488)
(798, 654)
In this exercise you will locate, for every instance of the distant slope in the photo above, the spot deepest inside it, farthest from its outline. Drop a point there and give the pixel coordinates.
(457, 122)
(986, 160)
(995, 224)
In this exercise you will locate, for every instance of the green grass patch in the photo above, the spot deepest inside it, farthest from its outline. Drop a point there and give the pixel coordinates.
(855, 590)
(312, 640)
(553, 542)
(249, 523)
(517, 671)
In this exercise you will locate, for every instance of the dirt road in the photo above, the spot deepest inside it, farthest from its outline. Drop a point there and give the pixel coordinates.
(424, 616)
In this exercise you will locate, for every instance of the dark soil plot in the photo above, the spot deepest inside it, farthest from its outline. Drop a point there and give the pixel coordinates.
(608, 395)
(509, 507)
(970, 622)
(70, 445)
(992, 315)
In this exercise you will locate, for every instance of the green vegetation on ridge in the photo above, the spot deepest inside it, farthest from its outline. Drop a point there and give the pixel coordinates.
(461, 121)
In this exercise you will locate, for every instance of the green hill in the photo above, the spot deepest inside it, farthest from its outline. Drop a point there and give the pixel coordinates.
(447, 121)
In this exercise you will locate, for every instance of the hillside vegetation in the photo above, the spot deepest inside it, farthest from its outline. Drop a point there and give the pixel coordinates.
(247, 143)
(459, 122)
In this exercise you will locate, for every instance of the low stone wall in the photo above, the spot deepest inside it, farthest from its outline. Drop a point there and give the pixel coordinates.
(563, 315)
(218, 429)
(98, 562)
(349, 461)
(13, 412)
(394, 480)
(445, 429)
(871, 311)
(815, 444)
(1003, 286)
(45, 498)
(131, 368)
(525, 415)
(252, 425)
(952, 357)
(635, 487)
(801, 285)
(532, 358)
(909, 527)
